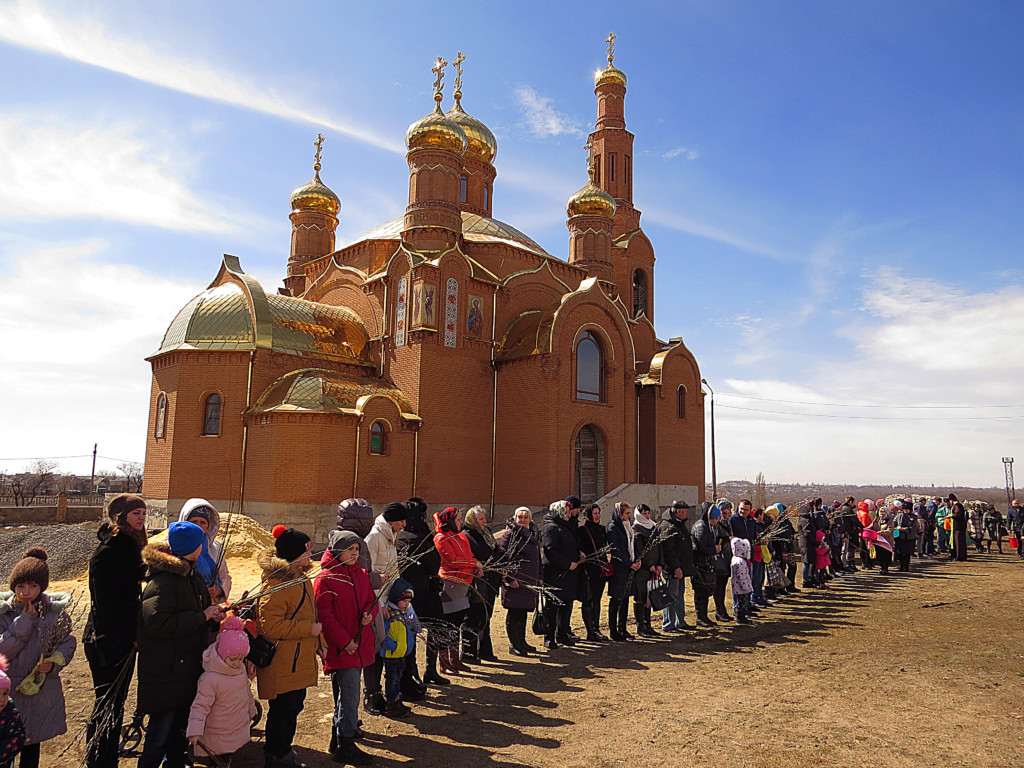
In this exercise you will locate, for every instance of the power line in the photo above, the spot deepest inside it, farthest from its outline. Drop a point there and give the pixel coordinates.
(856, 405)
(873, 418)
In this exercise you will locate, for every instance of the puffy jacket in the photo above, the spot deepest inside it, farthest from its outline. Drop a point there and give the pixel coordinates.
(457, 561)
(21, 639)
(343, 595)
(173, 631)
(676, 545)
(703, 537)
(522, 547)
(382, 542)
(223, 708)
(286, 617)
(558, 551)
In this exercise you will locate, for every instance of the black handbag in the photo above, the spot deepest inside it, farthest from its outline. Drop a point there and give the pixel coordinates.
(658, 595)
(540, 622)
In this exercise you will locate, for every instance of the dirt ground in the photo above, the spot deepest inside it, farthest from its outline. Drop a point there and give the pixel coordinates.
(922, 669)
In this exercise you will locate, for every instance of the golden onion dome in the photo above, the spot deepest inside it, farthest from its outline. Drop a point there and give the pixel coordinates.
(482, 145)
(316, 197)
(436, 131)
(591, 201)
(610, 75)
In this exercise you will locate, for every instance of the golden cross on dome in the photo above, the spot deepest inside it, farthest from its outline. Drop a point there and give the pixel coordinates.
(458, 73)
(319, 144)
(610, 40)
(438, 70)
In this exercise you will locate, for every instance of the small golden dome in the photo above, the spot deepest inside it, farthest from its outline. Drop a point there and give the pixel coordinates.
(316, 197)
(610, 75)
(436, 131)
(482, 144)
(591, 201)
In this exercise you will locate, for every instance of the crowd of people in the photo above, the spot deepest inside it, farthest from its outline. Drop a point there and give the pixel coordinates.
(388, 585)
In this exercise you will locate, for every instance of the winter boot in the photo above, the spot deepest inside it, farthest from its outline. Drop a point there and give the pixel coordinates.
(349, 753)
(431, 677)
(613, 626)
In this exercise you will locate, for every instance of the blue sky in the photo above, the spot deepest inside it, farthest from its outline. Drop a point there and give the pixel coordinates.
(834, 192)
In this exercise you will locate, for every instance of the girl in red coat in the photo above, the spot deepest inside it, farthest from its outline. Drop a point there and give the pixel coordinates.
(458, 566)
(346, 605)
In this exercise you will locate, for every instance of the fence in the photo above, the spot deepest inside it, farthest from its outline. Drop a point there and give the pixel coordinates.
(65, 509)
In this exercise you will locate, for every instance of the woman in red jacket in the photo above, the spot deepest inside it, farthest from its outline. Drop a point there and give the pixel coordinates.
(458, 566)
(346, 605)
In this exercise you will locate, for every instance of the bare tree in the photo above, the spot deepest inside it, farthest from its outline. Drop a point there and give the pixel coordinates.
(29, 483)
(132, 471)
(760, 491)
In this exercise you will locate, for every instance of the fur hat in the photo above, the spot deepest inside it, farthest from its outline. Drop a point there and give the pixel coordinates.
(395, 511)
(31, 568)
(184, 538)
(5, 681)
(232, 640)
(289, 543)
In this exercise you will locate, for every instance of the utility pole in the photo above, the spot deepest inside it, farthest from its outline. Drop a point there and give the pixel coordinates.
(1010, 490)
(714, 471)
(92, 478)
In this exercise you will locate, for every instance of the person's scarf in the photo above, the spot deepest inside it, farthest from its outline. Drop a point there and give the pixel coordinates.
(446, 520)
(205, 565)
(488, 537)
(643, 522)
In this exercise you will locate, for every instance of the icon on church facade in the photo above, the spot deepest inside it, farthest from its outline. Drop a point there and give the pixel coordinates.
(475, 316)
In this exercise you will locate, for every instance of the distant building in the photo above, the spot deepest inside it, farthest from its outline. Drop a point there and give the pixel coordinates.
(444, 354)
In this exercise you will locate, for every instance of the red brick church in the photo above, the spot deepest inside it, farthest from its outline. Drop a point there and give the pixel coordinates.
(444, 354)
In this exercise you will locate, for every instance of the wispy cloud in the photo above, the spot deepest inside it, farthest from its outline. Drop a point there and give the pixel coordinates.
(54, 167)
(79, 331)
(543, 120)
(33, 24)
(685, 152)
(683, 224)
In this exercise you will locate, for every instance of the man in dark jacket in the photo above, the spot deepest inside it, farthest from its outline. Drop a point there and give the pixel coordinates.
(807, 526)
(1015, 522)
(677, 554)
(560, 554)
(175, 627)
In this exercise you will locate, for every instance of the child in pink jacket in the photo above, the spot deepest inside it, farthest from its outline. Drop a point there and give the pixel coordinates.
(742, 584)
(223, 709)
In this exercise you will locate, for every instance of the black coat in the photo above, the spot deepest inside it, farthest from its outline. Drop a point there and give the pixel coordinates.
(416, 542)
(620, 585)
(723, 538)
(115, 595)
(676, 545)
(559, 550)
(702, 536)
(173, 631)
(807, 527)
(590, 537)
(489, 584)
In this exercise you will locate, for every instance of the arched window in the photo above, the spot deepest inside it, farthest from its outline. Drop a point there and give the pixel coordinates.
(161, 415)
(463, 189)
(681, 402)
(379, 438)
(639, 293)
(589, 368)
(211, 415)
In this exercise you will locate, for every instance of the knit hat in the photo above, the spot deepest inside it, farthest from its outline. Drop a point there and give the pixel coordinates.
(232, 640)
(32, 568)
(400, 590)
(5, 681)
(289, 543)
(395, 511)
(202, 512)
(714, 513)
(121, 505)
(723, 504)
(339, 541)
(184, 538)
(574, 500)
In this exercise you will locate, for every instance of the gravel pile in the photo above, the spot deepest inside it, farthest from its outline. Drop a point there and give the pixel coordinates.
(69, 548)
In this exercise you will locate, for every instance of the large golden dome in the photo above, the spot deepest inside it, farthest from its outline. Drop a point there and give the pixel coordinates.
(315, 196)
(436, 131)
(610, 75)
(591, 201)
(482, 145)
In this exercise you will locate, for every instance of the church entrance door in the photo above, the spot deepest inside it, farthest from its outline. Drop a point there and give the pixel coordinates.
(589, 464)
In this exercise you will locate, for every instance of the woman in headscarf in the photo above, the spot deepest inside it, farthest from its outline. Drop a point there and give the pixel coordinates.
(648, 549)
(458, 567)
(905, 530)
(959, 515)
(703, 582)
(476, 636)
(423, 562)
(560, 554)
(591, 537)
(520, 545)
(626, 562)
(211, 565)
(993, 528)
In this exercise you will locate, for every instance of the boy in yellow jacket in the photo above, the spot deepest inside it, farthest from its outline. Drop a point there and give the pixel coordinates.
(400, 629)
